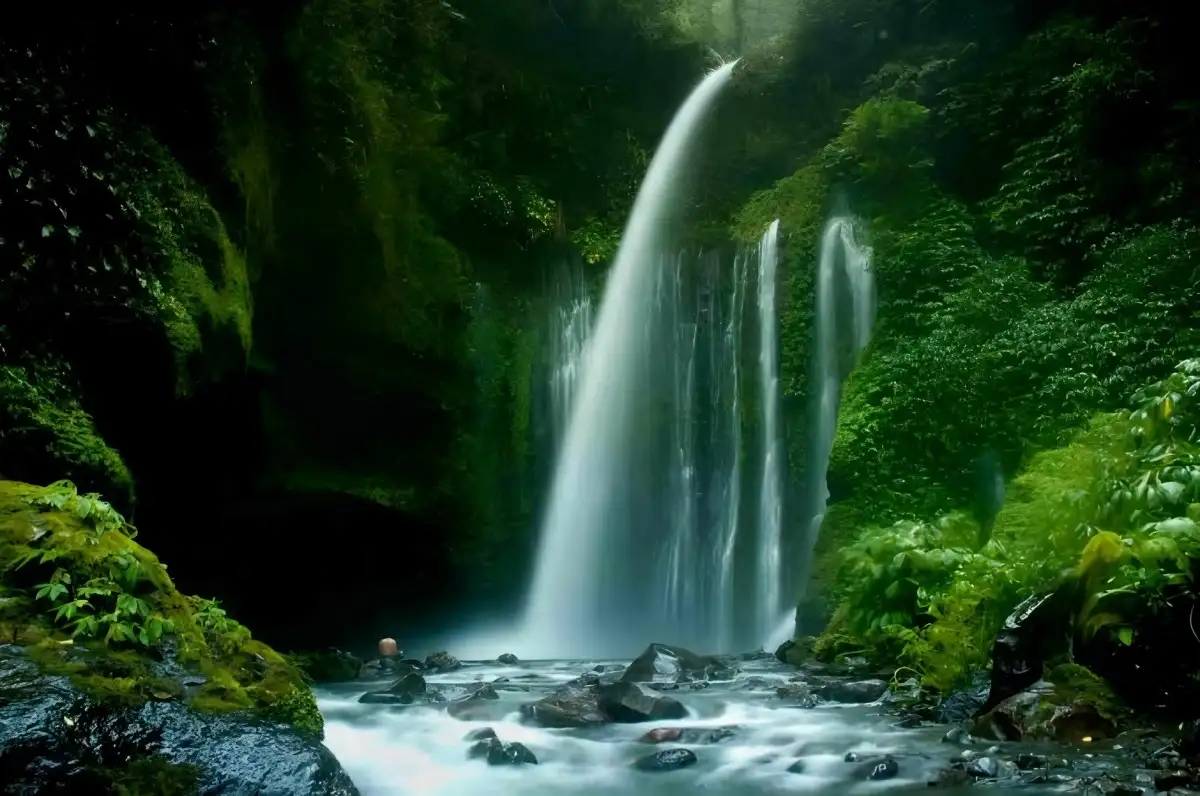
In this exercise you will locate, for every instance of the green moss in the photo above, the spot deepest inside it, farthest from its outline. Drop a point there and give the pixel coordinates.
(153, 776)
(44, 429)
(44, 535)
(1074, 684)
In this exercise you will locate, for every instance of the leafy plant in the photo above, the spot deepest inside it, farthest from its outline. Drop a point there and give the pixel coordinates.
(99, 514)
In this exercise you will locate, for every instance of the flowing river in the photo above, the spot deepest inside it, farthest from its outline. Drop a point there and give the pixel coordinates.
(767, 745)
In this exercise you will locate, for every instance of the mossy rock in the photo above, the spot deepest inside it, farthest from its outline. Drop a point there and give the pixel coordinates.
(131, 635)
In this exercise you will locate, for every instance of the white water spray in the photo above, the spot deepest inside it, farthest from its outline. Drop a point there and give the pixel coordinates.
(845, 284)
(770, 506)
(573, 608)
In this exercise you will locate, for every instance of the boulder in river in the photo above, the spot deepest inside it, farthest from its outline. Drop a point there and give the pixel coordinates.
(629, 703)
(442, 662)
(565, 709)
(664, 663)
(508, 659)
(498, 753)
(853, 692)
(666, 760)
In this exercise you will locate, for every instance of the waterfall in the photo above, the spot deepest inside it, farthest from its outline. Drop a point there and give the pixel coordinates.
(727, 492)
(570, 325)
(770, 505)
(845, 313)
(588, 595)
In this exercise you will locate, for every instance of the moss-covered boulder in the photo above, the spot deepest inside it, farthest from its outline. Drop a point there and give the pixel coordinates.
(90, 617)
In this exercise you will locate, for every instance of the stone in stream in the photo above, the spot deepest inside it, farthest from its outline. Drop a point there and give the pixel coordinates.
(565, 709)
(404, 691)
(508, 659)
(666, 760)
(442, 662)
(629, 703)
(691, 735)
(662, 662)
(482, 734)
(853, 692)
(498, 753)
(879, 769)
(797, 767)
(476, 705)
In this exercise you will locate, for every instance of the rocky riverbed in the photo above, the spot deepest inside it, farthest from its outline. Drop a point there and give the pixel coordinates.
(674, 723)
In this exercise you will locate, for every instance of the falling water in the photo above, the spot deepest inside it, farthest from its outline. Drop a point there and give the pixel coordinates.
(585, 596)
(845, 312)
(727, 493)
(570, 325)
(770, 506)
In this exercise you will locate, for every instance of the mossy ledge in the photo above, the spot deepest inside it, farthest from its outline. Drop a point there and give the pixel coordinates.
(90, 602)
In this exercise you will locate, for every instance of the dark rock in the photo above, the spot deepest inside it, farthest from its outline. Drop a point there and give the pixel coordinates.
(568, 708)
(411, 684)
(662, 662)
(498, 753)
(950, 778)
(477, 705)
(1033, 632)
(699, 685)
(604, 668)
(1168, 780)
(666, 760)
(797, 767)
(442, 662)
(56, 739)
(879, 769)
(482, 734)
(384, 698)
(991, 767)
(508, 659)
(781, 654)
(957, 735)
(663, 686)
(1028, 762)
(629, 703)
(962, 706)
(689, 735)
(329, 666)
(853, 692)
(1033, 714)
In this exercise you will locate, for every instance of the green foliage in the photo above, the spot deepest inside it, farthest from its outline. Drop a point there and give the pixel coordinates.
(113, 598)
(1110, 511)
(44, 430)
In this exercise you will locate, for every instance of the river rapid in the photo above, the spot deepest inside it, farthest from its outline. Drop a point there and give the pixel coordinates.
(771, 746)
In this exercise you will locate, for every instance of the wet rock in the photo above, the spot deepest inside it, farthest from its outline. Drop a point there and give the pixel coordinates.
(662, 662)
(991, 767)
(56, 739)
(962, 706)
(478, 705)
(442, 662)
(797, 767)
(508, 659)
(498, 753)
(384, 698)
(663, 686)
(566, 709)
(1169, 780)
(793, 690)
(1032, 632)
(329, 665)
(1036, 714)
(754, 684)
(482, 734)
(951, 778)
(853, 692)
(699, 685)
(795, 652)
(627, 702)
(886, 768)
(959, 736)
(411, 683)
(662, 735)
(689, 735)
(1029, 762)
(666, 760)
(604, 668)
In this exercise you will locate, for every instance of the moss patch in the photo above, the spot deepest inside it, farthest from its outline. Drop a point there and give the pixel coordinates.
(98, 607)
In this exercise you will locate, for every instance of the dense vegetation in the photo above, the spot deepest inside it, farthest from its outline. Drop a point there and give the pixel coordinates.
(296, 307)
